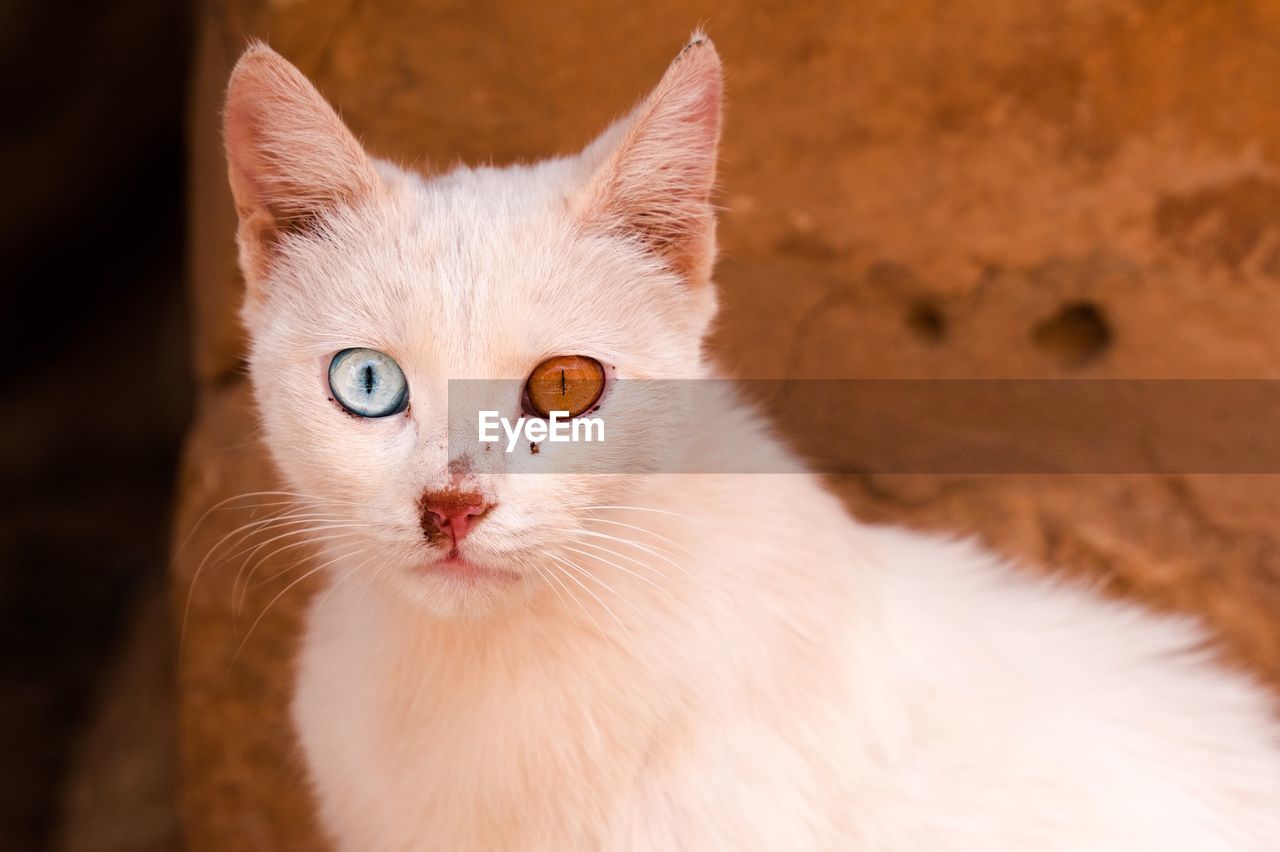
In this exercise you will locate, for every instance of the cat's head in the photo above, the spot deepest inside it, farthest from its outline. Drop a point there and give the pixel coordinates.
(370, 287)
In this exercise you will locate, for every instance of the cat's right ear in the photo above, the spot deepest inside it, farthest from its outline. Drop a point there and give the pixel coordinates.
(290, 159)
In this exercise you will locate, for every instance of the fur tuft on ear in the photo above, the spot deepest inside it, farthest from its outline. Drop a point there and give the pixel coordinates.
(656, 184)
(289, 157)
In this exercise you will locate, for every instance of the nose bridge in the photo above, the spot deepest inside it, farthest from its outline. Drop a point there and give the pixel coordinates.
(459, 398)
(452, 384)
(447, 454)
(467, 398)
(427, 406)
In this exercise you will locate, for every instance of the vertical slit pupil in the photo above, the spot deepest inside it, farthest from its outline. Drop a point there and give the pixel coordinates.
(368, 378)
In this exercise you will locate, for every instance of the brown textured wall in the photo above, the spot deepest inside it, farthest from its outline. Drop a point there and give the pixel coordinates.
(911, 189)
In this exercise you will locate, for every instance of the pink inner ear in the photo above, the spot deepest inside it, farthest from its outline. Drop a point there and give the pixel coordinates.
(243, 168)
(656, 185)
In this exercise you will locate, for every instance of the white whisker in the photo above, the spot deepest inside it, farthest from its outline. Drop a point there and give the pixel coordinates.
(267, 609)
(639, 577)
(644, 548)
(333, 531)
(247, 586)
(348, 574)
(568, 563)
(684, 550)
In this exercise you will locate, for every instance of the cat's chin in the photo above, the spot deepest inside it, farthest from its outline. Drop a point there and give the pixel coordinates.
(458, 587)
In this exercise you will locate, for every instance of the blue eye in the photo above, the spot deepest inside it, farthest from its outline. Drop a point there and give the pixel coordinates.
(368, 383)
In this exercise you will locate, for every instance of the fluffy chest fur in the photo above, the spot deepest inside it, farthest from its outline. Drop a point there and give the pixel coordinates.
(900, 693)
(576, 722)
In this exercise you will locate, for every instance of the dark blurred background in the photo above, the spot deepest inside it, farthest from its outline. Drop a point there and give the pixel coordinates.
(93, 306)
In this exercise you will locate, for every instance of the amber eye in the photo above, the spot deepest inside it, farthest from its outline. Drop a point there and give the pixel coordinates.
(571, 383)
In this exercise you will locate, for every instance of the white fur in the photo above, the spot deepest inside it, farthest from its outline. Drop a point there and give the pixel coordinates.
(749, 667)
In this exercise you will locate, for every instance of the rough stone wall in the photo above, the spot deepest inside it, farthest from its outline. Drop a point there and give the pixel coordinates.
(912, 188)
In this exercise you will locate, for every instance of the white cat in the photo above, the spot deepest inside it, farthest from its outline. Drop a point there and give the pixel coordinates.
(707, 661)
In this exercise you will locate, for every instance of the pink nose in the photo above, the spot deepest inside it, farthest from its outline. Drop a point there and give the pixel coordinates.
(451, 513)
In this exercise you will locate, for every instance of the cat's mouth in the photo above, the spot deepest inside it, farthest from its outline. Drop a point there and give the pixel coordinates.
(455, 566)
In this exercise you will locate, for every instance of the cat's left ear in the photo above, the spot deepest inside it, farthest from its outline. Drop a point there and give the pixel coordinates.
(655, 185)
